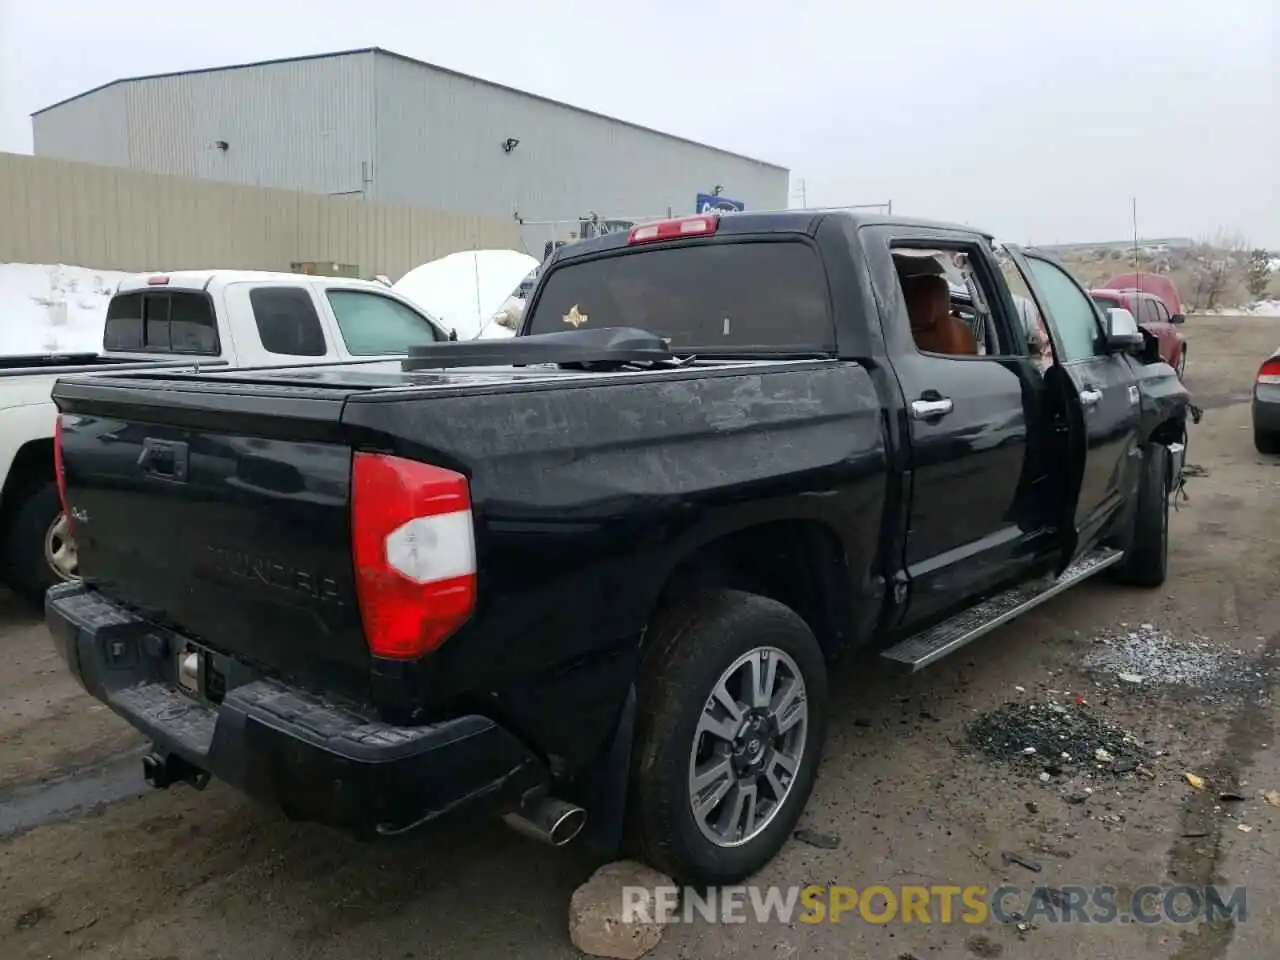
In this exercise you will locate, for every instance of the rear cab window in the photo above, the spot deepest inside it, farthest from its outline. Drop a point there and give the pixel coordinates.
(372, 325)
(726, 297)
(161, 321)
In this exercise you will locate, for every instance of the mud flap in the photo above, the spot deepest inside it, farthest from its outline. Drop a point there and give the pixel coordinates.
(604, 786)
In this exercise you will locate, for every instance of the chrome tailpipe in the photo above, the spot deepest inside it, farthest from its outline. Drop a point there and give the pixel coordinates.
(548, 820)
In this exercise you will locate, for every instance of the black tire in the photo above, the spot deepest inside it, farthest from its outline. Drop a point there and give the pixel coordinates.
(1265, 442)
(1146, 562)
(29, 573)
(687, 650)
(1181, 368)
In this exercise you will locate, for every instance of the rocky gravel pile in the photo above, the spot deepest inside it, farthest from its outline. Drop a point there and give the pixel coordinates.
(1049, 740)
(1145, 656)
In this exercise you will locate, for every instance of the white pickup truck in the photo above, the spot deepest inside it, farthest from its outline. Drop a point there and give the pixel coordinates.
(204, 318)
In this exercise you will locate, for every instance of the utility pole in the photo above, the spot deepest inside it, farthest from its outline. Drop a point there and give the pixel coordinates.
(1134, 213)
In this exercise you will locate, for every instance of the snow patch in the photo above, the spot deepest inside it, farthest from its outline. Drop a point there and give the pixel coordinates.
(466, 291)
(1264, 308)
(53, 308)
(1259, 308)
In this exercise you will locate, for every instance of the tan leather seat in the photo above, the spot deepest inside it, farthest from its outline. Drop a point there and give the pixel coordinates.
(934, 328)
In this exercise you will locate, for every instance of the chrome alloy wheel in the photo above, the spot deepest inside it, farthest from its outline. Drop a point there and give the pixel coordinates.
(748, 746)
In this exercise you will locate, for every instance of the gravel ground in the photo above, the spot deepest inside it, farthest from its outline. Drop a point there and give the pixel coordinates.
(91, 866)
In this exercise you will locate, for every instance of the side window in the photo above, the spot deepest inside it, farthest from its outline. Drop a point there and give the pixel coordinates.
(1072, 311)
(287, 321)
(1143, 311)
(1162, 312)
(949, 304)
(373, 325)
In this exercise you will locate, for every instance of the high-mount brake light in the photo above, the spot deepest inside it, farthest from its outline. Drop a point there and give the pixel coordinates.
(413, 545)
(702, 225)
(60, 472)
(1269, 372)
(157, 281)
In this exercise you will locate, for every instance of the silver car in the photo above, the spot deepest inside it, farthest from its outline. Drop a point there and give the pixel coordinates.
(1266, 405)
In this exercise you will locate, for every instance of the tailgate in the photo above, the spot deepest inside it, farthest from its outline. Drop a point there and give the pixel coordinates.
(222, 511)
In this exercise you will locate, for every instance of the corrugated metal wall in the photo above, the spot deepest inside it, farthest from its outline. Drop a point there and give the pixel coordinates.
(53, 211)
(301, 125)
(304, 125)
(439, 143)
(91, 129)
(426, 137)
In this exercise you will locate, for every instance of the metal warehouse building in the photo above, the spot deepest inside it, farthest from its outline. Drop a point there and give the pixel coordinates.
(396, 130)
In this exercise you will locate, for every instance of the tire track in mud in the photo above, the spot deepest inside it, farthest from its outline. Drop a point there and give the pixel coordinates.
(29, 805)
(1196, 859)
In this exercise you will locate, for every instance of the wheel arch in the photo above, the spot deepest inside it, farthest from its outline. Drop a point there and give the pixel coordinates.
(799, 561)
(31, 467)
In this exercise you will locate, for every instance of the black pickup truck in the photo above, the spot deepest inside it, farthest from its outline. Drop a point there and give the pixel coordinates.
(603, 567)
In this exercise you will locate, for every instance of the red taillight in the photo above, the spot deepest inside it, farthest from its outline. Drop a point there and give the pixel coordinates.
(700, 226)
(414, 550)
(59, 471)
(1269, 372)
(157, 281)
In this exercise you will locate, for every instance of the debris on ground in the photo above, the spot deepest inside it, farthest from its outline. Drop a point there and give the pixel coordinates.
(1272, 797)
(597, 926)
(1056, 741)
(1244, 828)
(1149, 657)
(31, 917)
(1197, 782)
(823, 841)
(1147, 651)
(1021, 859)
(983, 946)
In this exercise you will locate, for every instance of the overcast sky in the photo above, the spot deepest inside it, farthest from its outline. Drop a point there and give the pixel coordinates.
(1031, 120)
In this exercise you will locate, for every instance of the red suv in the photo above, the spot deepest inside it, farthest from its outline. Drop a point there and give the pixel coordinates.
(1153, 316)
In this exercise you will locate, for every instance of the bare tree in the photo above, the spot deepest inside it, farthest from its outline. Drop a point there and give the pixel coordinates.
(1216, 260)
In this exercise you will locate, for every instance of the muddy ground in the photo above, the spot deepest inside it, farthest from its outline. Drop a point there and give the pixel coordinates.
(93, 866)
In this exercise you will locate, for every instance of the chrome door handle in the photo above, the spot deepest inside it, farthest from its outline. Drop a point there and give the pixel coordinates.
(1089, 396)
(928, 409)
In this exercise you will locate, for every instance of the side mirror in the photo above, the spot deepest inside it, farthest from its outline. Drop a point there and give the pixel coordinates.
(1178, 318)
(1123, 335)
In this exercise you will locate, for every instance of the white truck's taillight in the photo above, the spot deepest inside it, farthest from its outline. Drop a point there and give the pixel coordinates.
(59, 470)
(413, 545)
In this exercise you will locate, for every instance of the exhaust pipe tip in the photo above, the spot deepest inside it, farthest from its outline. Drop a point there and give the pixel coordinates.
(548, 820)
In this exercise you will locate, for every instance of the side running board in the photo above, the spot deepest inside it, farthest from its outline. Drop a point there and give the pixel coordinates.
(922, 649)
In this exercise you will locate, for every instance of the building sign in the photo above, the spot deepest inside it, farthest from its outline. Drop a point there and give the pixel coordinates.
(709, 202)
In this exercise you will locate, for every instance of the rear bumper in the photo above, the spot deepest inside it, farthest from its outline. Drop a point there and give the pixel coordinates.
(1266, 411)
(315, 759)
